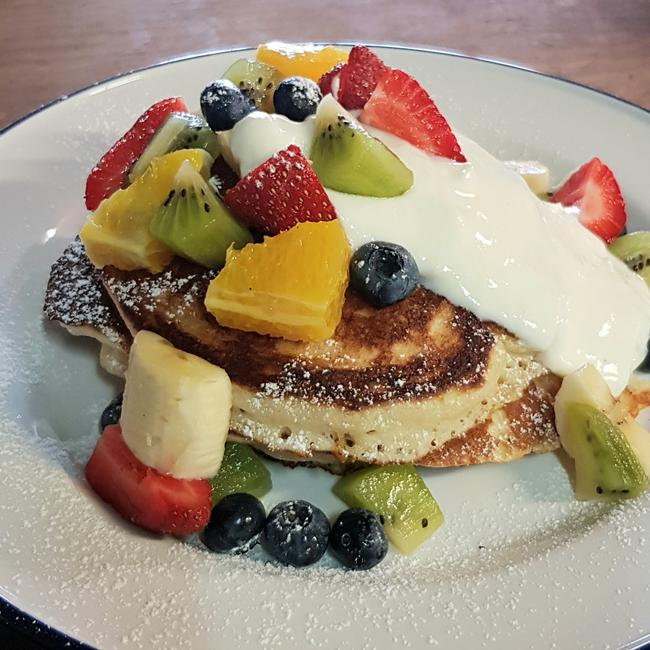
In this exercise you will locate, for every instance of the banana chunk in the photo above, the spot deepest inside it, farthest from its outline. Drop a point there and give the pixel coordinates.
(176, 410)
(535, 174)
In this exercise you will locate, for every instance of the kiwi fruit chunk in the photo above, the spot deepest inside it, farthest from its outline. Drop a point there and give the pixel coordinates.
(397, 494)
(178, 131)
(194, 224)
(348, 159)
(241, 471)
(634, 250)
(256, 80)
(606, 466)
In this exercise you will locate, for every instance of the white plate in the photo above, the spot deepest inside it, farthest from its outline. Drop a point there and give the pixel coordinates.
(518, 563)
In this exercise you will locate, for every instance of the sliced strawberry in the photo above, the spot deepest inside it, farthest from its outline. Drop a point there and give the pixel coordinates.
(325, 82)
(109, 173)
(399, 105)
(594, 190)
(359, 77)
(280, 193)
(142, 495)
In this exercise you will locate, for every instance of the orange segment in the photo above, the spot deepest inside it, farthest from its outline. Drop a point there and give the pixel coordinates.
(292, 285)
(304, 60)
(117, 233)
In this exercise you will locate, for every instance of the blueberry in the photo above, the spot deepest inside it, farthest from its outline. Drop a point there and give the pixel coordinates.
(644, 366)
(223, 105)
(297, 98)
(112, 413)
(358, 540)
(235, 523)
(383, 273)
(296, 533)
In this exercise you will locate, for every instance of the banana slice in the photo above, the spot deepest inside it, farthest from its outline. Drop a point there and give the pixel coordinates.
(176, 410)
(535, 174)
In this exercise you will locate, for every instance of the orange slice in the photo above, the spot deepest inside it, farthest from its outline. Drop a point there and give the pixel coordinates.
(291, 285)
(303, 60)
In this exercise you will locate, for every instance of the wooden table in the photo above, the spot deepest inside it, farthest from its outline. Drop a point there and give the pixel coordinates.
(51, 47)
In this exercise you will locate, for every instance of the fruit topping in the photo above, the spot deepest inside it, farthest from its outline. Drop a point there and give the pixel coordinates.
(325, 83)
(357, 539)
(383, 273)
(112, 413)
(359, 77)
(348, 159)
(606, 466)
(223, 104)
(593, 190)
(296, 533)
(611, 450)
(536, 175)
(399, 105)
(280, 193)
(256, 80)
(176, 411)
(297, 98)
(235, 524)
(142, 495)
(194, 223)
(634, 250)
(179, 131)
(241, 471)
(398, 495)
(117, 233)
(291, 285)
(304, 60)
(110, 173)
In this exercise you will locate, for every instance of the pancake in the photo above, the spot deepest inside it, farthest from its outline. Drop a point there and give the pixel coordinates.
(75, 298)
(422, 381)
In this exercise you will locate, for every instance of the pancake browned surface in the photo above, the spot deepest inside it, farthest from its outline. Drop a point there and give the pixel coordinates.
(76, 299)
(421, 381)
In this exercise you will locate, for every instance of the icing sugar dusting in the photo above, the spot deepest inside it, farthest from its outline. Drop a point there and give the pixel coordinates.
(519, 561)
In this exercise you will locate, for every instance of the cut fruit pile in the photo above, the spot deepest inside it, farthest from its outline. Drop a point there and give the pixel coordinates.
(298, 296)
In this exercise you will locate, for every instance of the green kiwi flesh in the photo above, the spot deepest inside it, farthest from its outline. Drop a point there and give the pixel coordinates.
(178, 131)
(256, 80)
(634, 250)
(399, 496)
(241, 470)
(606, 466)
(194, 223)
(348, 159)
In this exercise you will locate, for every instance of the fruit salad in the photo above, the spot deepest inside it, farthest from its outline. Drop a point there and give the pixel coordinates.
(312, 172)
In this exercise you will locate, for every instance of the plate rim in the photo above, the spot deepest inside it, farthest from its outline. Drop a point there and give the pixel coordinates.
(38, 630)
(384, 45)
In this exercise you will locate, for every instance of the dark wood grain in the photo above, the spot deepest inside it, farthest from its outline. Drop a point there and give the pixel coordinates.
(51, 47)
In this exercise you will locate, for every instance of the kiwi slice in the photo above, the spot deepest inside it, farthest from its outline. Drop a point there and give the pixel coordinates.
(348, 159)
(606, 466)
(178, 131)
(397, 494)
(241, 471)
(194, 223)
(634, 250)
(256, 80)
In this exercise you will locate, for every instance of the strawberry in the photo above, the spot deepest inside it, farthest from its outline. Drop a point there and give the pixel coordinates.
(402, 107)
(280, 193)
(325, 82)
(109, 174)
(359, 77)
(142, 495)
(593, 189)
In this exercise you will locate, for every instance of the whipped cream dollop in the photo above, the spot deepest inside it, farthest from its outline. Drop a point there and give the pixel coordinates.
(485, 242)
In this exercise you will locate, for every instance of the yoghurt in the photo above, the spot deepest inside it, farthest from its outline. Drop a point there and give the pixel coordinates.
(485, 242)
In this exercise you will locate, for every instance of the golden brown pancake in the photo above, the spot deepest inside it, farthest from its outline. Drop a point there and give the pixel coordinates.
(422, 381)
